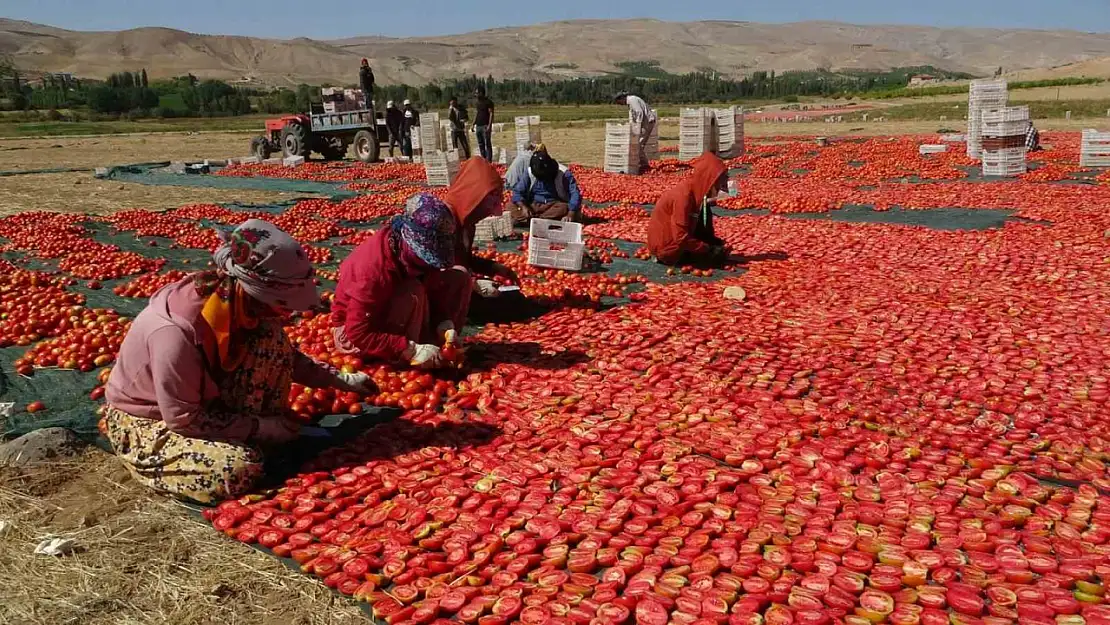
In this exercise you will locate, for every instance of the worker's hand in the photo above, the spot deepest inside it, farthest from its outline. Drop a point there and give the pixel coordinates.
(570, 217)
(486, 288)
(275, 430)
(446, 329)
(356, 383)
(503, 271)
(426, 357)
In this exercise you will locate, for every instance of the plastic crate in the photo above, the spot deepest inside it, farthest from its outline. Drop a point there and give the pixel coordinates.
(440, 168)
(493, 228)
(556, 244)
(953, 138)
(932, 148)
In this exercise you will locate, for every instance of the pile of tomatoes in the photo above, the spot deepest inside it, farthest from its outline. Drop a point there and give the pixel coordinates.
(145, 285)
(34, 305)
(329, 172)
(107, 264)
(92, 341)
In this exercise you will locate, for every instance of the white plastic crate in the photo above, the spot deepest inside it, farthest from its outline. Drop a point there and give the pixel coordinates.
(527, 131)
(1003, 169)
(622, 149)
(932, 148)
(556, 244)
(431, 133)
(1006, 114)
(730, 131)
(493, 228)
(1094, 149)
(953, 138)
(440, 168)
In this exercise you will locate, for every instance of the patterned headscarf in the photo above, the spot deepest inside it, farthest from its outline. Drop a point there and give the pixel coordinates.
(427, 229)
(257, 261)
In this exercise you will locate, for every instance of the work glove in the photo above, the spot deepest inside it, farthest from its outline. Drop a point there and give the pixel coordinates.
(503, 271)
(277, 430)
(425, 356)
(356, 383)
(446, 329)
(486, 288)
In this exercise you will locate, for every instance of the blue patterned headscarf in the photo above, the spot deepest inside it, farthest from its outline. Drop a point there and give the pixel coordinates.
(428, 229)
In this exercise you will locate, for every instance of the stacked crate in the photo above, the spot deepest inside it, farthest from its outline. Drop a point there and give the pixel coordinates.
(431, 133)
(441, 167)
(730, 131)
(697, 133)
(527, 131)
(1094, 150)
(1002, 140)
(445, 129)
(984, 95)
(336, 100)
(622, 149)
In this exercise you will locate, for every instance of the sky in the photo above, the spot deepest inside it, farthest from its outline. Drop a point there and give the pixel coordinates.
(401, 18)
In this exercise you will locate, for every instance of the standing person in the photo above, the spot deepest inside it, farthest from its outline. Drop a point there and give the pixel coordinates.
(398, 297)
(394, 120)
(458, 117)
(549, 192)
(200, 384)
(410, 120)
(484, 113)
(681, 227)
(366, 81)
(643, 120)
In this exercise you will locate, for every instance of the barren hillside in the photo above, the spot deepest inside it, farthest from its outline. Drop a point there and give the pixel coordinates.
(579, 48)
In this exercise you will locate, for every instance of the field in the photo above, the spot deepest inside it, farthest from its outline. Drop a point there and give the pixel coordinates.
(899, 423)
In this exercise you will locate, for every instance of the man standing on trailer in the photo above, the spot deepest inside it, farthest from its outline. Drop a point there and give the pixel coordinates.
(483, 123)
(366, 82)
(394, 119)
(643, 120)
(458, 117)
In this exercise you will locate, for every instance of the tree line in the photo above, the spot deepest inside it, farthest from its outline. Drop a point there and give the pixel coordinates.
(133, 94)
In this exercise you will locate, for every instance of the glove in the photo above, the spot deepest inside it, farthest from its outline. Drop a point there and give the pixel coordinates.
(426, 356)
(446, 329)
(502, 271)
(486, 288)
(277, 430)
(356, 383)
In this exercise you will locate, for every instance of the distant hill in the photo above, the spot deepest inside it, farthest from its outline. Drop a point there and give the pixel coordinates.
(558, 49)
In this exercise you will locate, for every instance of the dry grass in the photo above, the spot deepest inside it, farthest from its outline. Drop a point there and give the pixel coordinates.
(101, 151)
(141, 559)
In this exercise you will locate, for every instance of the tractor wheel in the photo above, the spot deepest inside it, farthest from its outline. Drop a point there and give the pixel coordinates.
(260, 147)
(366, 146)
(333, 149)
(294, 140)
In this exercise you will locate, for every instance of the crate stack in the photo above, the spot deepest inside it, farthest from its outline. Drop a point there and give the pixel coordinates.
(431, 133)
(1094, 150)
(730, 131)
(493, 229)
(1002, 140)
(651, 148)
(622, 149)
(697, 133)
(445, 130)
(337, 100)
(441, 167)
(527, 131)
(984, 95)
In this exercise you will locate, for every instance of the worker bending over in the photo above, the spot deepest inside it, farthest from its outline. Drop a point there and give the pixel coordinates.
(548, 192)
(1032, 138)
(474, 195)
(681, 228)
(643, 121)
(199, 388)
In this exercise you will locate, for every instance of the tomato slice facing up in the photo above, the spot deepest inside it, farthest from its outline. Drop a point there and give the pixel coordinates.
(965, 601)
(651, 612)
(778, 614)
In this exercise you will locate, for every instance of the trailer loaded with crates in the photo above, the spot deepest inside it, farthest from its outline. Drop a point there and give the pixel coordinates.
(329, 129)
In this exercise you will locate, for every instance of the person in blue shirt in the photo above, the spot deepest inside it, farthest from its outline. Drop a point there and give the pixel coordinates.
(549, 191)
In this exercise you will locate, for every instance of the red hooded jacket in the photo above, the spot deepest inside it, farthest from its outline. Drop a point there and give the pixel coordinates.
(476, 179)
(672, 221)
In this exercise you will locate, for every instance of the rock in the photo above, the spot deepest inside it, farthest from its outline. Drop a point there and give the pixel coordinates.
(39, 446)
(735, 293)
(5, 527)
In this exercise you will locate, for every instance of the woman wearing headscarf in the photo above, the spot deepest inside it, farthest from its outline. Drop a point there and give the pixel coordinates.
(474, 195)
(201, 380)
(681, 227)
(548, 191)
(395, 299)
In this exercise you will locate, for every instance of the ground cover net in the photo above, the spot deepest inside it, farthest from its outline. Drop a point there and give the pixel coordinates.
(898, 423)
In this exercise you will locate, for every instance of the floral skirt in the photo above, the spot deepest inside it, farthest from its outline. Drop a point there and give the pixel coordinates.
(188, 468)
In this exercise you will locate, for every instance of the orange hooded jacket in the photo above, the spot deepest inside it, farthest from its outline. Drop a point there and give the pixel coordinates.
(476, 179)
(670, 232)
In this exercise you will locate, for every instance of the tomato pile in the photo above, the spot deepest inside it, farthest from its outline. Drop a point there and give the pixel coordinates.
(330, 172)
(146, 285)
(105, 265)
(895, 425)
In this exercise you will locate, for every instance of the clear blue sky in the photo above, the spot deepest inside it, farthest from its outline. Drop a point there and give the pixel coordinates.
(343, 18)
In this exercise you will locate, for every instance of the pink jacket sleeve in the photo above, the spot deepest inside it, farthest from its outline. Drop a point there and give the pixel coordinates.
(179, 375)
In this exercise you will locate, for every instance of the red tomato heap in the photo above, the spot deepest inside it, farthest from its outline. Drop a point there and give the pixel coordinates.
(34, 305)
(146, 285)
(106, 265)
(92, 342)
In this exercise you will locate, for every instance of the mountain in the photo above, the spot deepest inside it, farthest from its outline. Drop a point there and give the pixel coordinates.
(557, 49)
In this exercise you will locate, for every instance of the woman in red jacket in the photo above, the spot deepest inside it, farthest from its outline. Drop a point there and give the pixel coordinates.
(474, 195)
(398, 297)
(681, 228)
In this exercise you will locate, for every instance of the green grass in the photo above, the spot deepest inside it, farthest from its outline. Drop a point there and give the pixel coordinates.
(62, 128)
(952, 89)
(956, 111)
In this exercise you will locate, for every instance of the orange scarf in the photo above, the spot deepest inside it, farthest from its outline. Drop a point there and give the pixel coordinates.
(226, 313)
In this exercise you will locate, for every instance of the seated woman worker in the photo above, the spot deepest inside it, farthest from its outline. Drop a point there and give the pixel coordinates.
(681, 227)
(399, 297)
(474, 195)
(202, 377)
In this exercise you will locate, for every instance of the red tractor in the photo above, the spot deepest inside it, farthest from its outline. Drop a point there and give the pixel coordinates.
(327, 134)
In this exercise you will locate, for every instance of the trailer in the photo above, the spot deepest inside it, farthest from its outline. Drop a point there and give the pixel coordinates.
(329, 134)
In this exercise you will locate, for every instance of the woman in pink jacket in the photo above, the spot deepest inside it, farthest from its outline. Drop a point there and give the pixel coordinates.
(202, 377)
